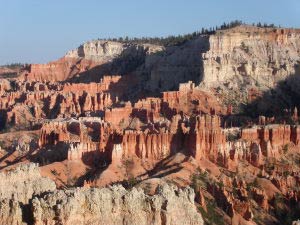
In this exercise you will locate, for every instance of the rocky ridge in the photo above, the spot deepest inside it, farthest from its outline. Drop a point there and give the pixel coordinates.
(113, 205)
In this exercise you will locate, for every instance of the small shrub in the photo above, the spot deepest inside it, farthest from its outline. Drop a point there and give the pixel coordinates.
(54, 172)
(130, 183)
(285, 148)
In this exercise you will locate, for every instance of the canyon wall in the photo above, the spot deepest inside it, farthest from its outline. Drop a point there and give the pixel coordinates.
(150, 122)
(265, 55)
(272, 138)
(24, 103)
(92, 60)
(239, 63)
(255, 67)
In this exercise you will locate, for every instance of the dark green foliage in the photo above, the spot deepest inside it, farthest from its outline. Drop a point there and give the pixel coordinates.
(232, 136)
(130, 183)
(164, 41)
(14, 65)
(285, 148)
(231, 24)
(176, 40)
(1, 144)
(253, 184)
(211, 216)
(200, 180)
(54, 172)
(285, 211)
(266, 25)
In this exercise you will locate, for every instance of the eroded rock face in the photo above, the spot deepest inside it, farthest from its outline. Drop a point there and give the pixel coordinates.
(266, 55)
(175, 65)
(272, 138)
(10, 212)
(115, 205)
(17, 188)
(94, 59)
(31, 101)
(100, 50)
(240, 62)
(24, 182)
(244, 62)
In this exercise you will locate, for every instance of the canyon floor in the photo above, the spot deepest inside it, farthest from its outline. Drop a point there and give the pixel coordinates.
(203, 132)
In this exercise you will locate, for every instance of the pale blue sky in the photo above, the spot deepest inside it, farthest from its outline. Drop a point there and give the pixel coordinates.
(43, 30)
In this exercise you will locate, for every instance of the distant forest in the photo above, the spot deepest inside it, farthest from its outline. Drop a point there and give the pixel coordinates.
(181, 39)
(14, 65)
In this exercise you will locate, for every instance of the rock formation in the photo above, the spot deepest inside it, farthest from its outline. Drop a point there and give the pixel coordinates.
(170, 205)
(17, 188)
(93, 59)
(200, 113)
(24, 182)
(247, 51)
(246, 61)
(115, 205)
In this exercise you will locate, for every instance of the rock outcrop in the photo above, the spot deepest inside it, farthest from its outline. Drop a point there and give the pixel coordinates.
(91, 61)
(272, 138)
(24, 182)
(265, 55)
(240, 63)
(17, 188)
(115, 205)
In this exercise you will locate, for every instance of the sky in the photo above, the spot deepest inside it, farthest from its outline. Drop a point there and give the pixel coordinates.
(39, 31)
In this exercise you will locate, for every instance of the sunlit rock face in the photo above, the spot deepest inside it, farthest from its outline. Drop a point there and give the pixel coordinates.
(17, 188)
(115, 206)
(91, 61)
(262, 55)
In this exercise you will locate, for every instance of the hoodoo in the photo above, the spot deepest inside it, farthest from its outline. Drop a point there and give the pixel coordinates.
(148, 131)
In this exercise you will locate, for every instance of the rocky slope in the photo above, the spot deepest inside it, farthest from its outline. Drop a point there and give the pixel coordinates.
(91, 61)
(264, 55)
(246, 61)
(30, 199)
(115, 205)
(10, 71)
(24, 182)
(241, 64)
(17, 188)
